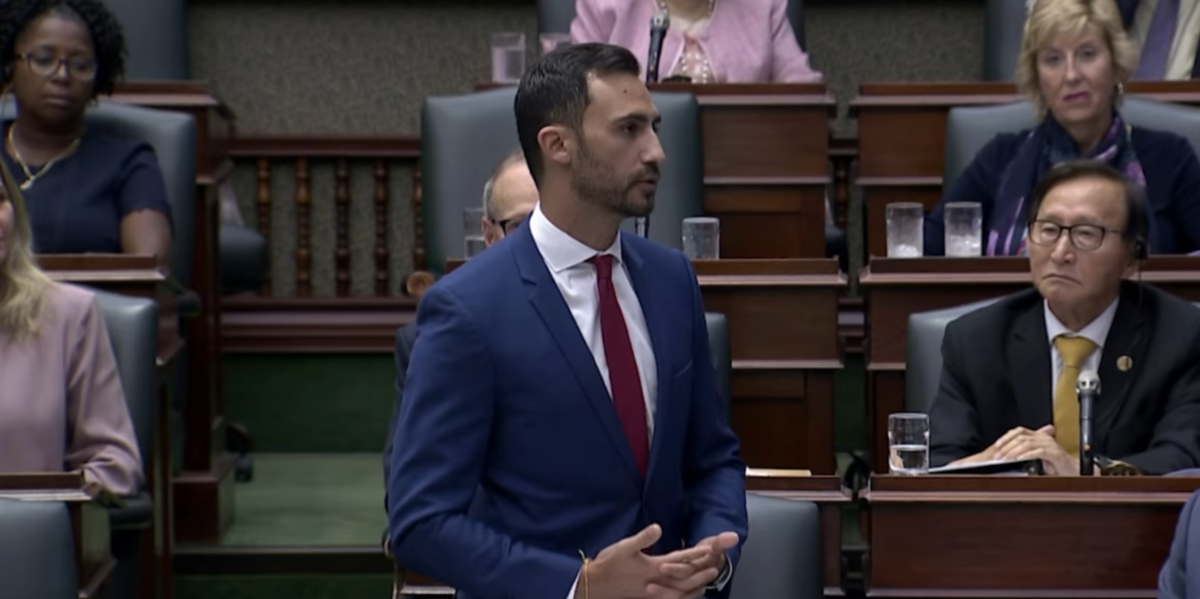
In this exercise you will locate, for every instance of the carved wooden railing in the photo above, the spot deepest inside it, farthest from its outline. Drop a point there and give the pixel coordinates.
(381, 153)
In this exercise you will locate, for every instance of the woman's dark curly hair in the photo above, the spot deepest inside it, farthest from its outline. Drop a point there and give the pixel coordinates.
(108, 39)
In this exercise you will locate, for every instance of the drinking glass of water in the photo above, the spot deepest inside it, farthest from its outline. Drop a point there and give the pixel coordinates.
(553, 41)
(702, 238)
(508, 56)
(473, 242)
(908, 443)
(905, 230)
(964, 224)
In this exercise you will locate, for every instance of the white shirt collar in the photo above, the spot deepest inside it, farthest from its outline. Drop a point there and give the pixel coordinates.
(1096, 331)
(559, 249)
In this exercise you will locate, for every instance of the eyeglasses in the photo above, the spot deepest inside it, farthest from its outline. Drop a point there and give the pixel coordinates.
(509, 225)
(1087, 238)
(45, 64)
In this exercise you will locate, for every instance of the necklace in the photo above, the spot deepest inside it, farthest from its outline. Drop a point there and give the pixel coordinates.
(30, 177)
(693, 61)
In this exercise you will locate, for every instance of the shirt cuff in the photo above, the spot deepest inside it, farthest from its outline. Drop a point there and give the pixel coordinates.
(722, 578)
(575, 584)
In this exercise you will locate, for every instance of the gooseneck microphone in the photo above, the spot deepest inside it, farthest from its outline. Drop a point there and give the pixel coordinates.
(1087, 387)
(659, 24)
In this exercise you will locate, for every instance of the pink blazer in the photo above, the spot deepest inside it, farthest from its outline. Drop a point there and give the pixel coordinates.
(747, 41)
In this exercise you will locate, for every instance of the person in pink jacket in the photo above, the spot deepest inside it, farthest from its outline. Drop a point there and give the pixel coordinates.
(709, 41)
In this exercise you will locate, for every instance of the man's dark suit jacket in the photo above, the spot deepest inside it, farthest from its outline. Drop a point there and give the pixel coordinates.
(1129, 9)
(406, 337)
(996, 375)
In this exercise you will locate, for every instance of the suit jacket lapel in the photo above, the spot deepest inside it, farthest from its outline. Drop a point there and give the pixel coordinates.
(1125, 339)
(1029, 366)
(547, 300)
(645, 285)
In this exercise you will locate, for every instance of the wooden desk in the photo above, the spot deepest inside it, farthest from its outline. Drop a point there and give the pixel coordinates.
(783, 338)
(1040, 537)
(766, 165)
(825, 491)
(204, 490)
(895, 288)
(89, 522)
(902, 134)
(140, 276)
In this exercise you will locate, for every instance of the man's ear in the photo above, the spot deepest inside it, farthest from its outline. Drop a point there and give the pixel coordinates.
(557, 144)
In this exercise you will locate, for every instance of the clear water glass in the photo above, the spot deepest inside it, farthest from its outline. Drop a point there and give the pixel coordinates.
(702, 238)
(473, 242)
(508, 56)
(908, 443)
(964, 229)
(905, 230)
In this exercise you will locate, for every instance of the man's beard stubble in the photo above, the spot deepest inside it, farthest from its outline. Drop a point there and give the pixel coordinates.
(598, 184)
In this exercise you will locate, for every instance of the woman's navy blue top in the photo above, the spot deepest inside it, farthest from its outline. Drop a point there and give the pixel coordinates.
(1172, 188)
(77, 206)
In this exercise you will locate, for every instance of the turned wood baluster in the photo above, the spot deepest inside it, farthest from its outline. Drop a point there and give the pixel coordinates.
(841, 189)
(262, 204)
(341, 198)
(381, 226)
(303, 231)
(418, 220)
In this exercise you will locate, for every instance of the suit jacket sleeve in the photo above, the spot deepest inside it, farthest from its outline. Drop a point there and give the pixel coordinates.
(953, 421)
(1172, 579)
(1175, 444)
(405, 338)
(440, 452)
(789, 62)
(592, 23)
(714, 473)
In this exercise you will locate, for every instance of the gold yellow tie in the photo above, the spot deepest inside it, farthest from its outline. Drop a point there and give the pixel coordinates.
(1074, 351)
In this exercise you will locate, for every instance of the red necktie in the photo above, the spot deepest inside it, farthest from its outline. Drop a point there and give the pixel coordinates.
(623, 375)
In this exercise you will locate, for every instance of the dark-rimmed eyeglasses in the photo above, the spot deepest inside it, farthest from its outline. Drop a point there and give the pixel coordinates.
(509, 225)
(46, 64)
(1087, 238)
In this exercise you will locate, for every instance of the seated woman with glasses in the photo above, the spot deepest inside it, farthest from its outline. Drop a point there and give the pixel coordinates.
(87, 192)
(708, 41)
(62, 407)
(1075, 59)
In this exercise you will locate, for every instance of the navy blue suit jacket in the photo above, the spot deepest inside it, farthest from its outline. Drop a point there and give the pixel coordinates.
(1176, 580)
(504, 405)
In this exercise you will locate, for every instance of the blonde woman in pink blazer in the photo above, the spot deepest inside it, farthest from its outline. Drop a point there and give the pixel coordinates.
(709, 41)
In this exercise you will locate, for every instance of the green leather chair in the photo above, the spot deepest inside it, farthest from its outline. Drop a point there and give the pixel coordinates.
(1004, 27)
(37, 551)
(923, 355)
(969, 128)
(555, 16)
(132, 324)
(155, 37)
(463, 137)
(718, 348)
(781, 558)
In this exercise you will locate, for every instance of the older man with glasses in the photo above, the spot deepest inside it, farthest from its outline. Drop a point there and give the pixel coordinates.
(1008, 384)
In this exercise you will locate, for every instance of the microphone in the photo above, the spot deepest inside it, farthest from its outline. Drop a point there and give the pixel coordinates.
(1087, 387)
(658, 30)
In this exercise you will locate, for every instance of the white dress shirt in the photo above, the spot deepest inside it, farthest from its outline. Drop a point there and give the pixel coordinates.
(1182, 56)
(1095, 331)
(567, 260)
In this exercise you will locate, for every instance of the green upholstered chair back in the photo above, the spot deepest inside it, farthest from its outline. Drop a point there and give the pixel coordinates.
(781, 558)
(37, 550)
(156, 37)
(923, 359)
(464, 137)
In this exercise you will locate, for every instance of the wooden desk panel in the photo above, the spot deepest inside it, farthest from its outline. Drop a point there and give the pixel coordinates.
(902, 135)
(825, 491)
(1001, 537)
(896, 288)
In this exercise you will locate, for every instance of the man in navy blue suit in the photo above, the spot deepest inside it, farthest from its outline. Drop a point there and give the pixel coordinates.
(1167, 33)
(561, 435)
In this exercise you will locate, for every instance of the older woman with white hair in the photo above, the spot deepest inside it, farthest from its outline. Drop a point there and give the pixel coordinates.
(1075, 60)
(62, 407)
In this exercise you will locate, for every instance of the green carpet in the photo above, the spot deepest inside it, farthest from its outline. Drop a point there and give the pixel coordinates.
(310, 499)
(284, 587)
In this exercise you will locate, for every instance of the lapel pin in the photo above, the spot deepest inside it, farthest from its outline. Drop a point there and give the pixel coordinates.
(1124, 363)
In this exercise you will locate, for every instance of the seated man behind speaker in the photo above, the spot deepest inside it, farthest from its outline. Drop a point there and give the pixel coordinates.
(1007, 389)
(508, 197)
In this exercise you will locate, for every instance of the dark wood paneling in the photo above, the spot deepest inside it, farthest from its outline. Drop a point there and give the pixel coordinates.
(768, 218)
(1021, 537)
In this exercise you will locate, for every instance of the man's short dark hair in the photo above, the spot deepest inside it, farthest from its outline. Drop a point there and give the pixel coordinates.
(1136, 218)
(554, 91)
